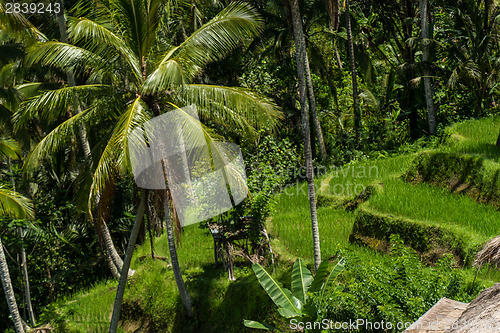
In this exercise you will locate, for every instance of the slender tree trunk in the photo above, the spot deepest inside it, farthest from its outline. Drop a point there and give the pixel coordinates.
(334, 9)
(301, 74)
(9, 292)
(24, 267)
(126, 264)
(498, 140)
(186, 299)
(111, 250)
(355, 97)
(61, 21)
(27, 290)
(151, 239)
(314, 111)
(112, 266)
(424, 20)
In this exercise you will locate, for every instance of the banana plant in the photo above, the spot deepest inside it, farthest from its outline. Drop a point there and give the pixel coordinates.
(295, 303)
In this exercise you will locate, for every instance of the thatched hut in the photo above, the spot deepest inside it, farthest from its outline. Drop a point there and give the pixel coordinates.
(490, 254)
(482, 315)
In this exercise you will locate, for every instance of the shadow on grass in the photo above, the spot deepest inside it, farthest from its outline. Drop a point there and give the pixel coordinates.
(221, 305)
(486, 150)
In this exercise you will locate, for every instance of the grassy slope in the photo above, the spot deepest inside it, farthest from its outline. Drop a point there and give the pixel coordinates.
(221, 305)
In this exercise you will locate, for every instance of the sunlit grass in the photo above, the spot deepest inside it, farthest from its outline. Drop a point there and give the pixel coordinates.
(348, 180)
(438, 207)
(87, 311)
(477, 136)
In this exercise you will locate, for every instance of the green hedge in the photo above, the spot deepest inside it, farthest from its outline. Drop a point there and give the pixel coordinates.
(460, 173)
(429, 240)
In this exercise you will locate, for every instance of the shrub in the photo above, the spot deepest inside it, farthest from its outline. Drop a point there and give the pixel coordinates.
(399, 291)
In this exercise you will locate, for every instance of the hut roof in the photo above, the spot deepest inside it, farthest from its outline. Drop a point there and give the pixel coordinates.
(490, 254)
(439, 317)
(482, 315)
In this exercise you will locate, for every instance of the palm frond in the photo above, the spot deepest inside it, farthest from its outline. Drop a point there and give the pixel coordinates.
(96, 34)
(65, 56)
(238, 23)
(231, 106)
(172, 73)
(54, 141)
(9, 148)
(115, 154)
(132, 19)
(19, 25)
(13, 204)
(53, 104)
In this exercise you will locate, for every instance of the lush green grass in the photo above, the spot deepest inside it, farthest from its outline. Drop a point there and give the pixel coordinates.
(436, 206)
(348, 180)
(476, 136)
(151, 298)
(86, 311)
(291, 218)
(194, 249)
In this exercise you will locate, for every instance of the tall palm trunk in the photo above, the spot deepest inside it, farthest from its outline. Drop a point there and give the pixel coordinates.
(334, 10)
(314, 110)
(355, 97)
(424, 20)
(26, 280)
(298, 36)
(9, 292)
(186, 300)
(61, 21)
(126, 265)
(24, 266)
(111, 250)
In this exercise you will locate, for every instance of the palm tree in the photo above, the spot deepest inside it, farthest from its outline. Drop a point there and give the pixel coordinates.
(12, 204)
(426, 36)
(133, 72)
(355, 96)
(301, 74)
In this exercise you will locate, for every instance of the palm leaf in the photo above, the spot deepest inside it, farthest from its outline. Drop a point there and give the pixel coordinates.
(237, 23)
(319, 278)
(301, 280)
(172, 73)
(131, 16)
(258, 325)
(282, 297)
(65, 56)
(96, 34)
(13, 204)
(333, 275)
(9, 148)
(55, 103)
(231, 106)
(55, 140)
(115, 154)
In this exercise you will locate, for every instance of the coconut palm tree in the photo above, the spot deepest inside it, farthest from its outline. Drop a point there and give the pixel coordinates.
(426, 37)
(301, 74)
(355, 96)
(12, 204)
(130, 71)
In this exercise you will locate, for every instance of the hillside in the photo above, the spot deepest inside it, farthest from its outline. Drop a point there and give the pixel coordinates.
(429, 213)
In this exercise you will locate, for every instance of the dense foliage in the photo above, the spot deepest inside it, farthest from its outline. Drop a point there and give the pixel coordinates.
(380, 75)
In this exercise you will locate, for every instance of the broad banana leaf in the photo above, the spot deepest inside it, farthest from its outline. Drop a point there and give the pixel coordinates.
(333, 275)
(301, 280)
(289, 305)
